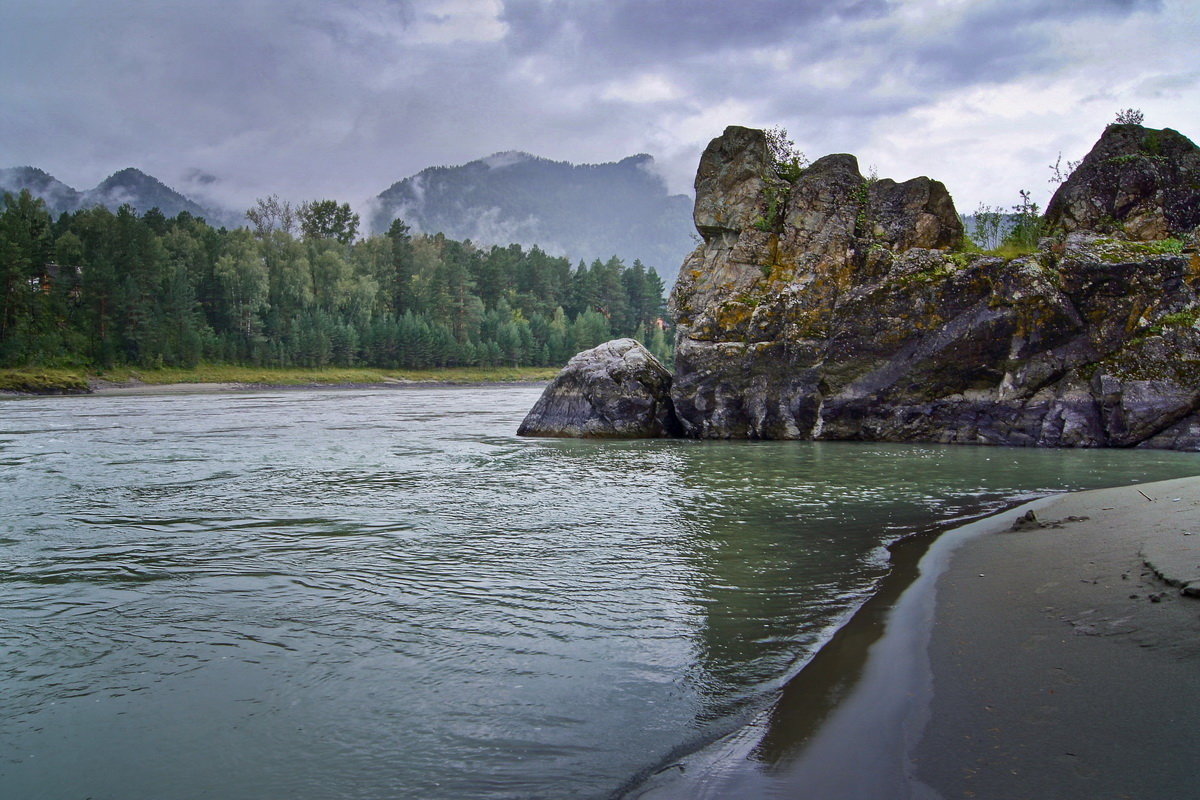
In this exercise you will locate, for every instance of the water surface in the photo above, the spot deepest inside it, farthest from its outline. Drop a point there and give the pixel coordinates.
(385, 593)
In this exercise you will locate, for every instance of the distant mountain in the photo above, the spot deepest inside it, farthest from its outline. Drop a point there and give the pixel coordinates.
(141, 191)
(58, 196)
(584, 211)
(130, 185)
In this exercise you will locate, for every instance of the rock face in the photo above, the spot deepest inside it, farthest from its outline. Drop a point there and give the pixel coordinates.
(616, 390)
(1141, 182)
(832, 307)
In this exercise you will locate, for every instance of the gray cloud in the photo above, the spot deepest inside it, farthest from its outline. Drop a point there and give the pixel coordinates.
(308, 98)
(646, 31)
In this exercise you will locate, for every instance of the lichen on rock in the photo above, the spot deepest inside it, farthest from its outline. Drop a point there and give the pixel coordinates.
(616, 390)
(1140, 182)
(866, 326)
(832, 306)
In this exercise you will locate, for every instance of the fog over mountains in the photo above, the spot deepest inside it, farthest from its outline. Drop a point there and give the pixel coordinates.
(128, 186)
(582, 211)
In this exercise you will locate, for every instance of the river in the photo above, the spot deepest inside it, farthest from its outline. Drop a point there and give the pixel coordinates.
(384, 593)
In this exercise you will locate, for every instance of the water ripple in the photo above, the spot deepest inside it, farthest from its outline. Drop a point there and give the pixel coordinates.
(377, 594)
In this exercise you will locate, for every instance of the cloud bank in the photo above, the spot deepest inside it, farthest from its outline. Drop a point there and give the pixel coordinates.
(236, 100)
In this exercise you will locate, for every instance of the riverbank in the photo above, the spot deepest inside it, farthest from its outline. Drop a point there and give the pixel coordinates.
(216, 378)
(1045, 662)
(1063, 664)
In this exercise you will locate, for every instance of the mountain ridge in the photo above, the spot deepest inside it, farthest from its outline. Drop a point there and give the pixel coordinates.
(129, 186)
(584, 211)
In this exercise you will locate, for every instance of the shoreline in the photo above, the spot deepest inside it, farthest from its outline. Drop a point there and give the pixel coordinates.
(149, 389)
(208, 378)
(935, 687)
(140, 389)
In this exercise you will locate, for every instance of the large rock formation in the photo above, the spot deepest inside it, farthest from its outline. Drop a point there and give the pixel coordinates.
(836, 307)
(615, 390)
(1142, 183)
(833, 308)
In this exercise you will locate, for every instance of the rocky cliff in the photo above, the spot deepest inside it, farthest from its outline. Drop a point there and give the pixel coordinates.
(833, 306)
(1136, 182)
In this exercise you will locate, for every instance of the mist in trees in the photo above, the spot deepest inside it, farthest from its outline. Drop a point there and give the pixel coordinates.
(296, 289)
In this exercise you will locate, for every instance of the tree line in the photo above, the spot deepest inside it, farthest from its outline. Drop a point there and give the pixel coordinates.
(98, 288)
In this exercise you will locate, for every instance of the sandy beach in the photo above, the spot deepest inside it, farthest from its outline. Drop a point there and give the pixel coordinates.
(1063, 665)
(112, 389)
(1057, 660)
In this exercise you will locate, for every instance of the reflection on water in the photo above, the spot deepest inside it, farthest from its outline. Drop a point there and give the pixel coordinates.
(371, 594)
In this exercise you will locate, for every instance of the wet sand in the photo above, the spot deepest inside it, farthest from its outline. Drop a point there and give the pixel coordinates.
(139, 389)
(1063, 666)
(1048, 662)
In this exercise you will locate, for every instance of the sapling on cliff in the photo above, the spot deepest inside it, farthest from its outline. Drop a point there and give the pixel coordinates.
(1027, 224)
(788, 160)
(1130, 116)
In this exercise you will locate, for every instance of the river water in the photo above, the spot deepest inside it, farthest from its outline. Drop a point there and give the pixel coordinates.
(386, 593)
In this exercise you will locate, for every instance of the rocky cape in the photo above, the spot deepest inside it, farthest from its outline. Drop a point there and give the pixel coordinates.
(833, 306)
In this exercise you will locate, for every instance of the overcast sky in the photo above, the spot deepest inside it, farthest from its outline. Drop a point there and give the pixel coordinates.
(315, 98)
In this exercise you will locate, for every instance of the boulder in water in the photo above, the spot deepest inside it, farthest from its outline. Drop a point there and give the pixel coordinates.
(616, 390)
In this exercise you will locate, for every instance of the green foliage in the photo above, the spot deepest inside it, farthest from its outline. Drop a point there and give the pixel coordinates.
(325, 219)
(1059, 172)
(987, 226)
(1179, 319)
(75, 381)
(933, 275)
(1152, 143)
(1132, 158)
(993, 231)
(272, 214)
(863, 224)
(963, 258)
(42, 381)
(1011, 249)
(787, 165)
(788, 161)
(1117, 251)
(1130, 116)
(1022, 238)
(776, 198)
(103, 290)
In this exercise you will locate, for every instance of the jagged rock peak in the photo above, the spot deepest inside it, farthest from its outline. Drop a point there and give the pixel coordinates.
(618, 389)
(1139, 182)
(829, 205)
(764, 238)
(828, 307)
(733, 173)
